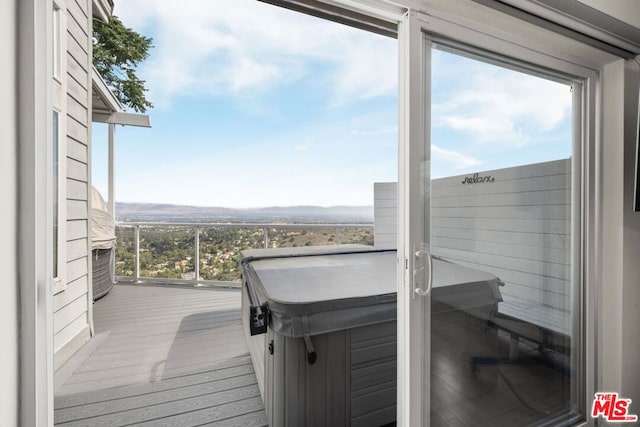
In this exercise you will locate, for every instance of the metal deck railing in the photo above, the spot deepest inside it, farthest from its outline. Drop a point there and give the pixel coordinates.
(196, 228)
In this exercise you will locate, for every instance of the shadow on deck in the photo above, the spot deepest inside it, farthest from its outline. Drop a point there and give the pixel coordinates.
(173, 356)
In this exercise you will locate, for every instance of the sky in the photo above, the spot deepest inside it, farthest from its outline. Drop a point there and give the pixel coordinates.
(257, 106)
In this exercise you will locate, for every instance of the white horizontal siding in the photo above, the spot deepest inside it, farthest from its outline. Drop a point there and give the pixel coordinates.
(77, 150)
(74, 290)
(77, 229)
(68, 314)
(64, 336)
(76, 72)
(71, 305)
(76, 90)
(76, 269)
(76, 190)
(76, 170)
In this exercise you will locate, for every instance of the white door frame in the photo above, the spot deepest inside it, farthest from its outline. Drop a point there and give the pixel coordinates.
(414, 153)
(413, 187)
(35, 241)
(458, 20)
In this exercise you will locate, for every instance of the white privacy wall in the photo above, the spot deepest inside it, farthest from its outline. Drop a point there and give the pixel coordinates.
(385, 217)
(516, 226)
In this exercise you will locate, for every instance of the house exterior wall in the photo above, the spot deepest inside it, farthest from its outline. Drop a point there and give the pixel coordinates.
(8, 220)
(71, 305)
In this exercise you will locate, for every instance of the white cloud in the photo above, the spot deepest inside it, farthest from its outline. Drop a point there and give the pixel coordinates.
(459, 160)
(235, 46)
(502, 106)
(302, 147)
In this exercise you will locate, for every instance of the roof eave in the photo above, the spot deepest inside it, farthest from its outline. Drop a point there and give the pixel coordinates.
(108, 102)
(102, 10)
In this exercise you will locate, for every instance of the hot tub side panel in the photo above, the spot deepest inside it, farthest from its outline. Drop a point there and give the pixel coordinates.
(301, 394)
(373, 374)
(352, 382)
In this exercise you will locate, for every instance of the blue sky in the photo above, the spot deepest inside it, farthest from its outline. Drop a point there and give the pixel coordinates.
(260, 106)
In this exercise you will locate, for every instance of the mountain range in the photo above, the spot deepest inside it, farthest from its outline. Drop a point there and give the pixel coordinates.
(156, 212)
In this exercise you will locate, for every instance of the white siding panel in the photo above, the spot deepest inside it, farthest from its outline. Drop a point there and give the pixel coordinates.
(69, 313)
(76, 170)
(78, 32)
(511, 250)
(76, 209)
(540, 183)
(504, 200)
(76, 150)
(76, 190)
(77, 110)
(77, 72)
(73, 328)
(386, 241)
(76, 269)
(83, 6)
(545, 240)
(546, 226)
(74, 290)
(77, 229)
(76, 50)
(77, 130)
(499, 212)
(385, 203)
(385, 206)
(71, 305)
(524, 173)
(539, 268)
(76, 90)
(76, 249)
(386, 228)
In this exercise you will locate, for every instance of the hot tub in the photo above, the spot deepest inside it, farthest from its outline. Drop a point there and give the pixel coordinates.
(321, 326)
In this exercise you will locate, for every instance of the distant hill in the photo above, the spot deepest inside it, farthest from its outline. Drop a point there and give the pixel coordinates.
(155, 212)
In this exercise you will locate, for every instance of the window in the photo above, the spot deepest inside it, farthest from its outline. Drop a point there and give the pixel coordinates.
(58, 202)
(58, 146)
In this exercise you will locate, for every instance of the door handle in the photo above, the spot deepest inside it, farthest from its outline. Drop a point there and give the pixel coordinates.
(420, 256)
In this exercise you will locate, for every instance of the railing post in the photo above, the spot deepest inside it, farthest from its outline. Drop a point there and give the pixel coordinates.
(136, 273)
(197, 263)
(337, 235)
(265, 233)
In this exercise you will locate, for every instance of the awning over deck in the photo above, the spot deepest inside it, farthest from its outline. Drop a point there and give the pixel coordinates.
(107, 109)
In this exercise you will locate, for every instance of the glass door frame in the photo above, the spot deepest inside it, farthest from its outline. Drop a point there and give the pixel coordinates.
(416, 30)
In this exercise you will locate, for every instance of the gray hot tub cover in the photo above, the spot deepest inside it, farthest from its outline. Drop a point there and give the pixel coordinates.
(320, 292)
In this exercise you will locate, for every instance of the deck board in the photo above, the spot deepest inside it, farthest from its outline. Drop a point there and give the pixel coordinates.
(174, 356)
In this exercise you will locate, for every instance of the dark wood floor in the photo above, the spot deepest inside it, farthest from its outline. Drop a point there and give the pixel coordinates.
(173, 356)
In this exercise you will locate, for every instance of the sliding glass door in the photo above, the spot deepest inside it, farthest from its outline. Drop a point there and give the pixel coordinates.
(490, 194)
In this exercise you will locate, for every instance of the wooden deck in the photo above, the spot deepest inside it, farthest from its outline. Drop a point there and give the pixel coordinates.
(173, 356)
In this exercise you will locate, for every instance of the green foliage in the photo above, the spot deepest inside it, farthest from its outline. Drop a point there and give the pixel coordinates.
(164, 249)
(117, 51)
